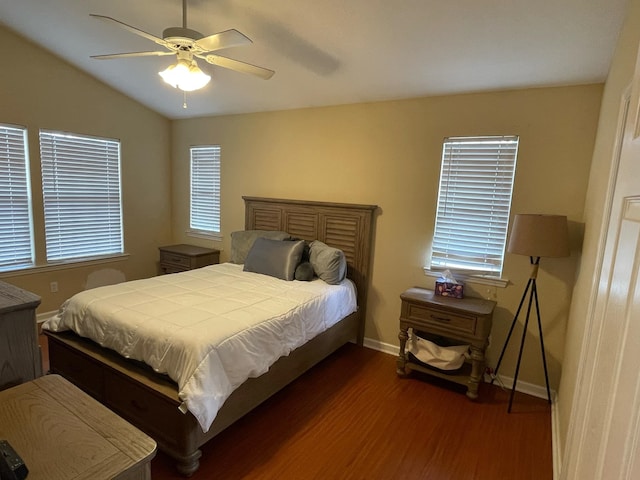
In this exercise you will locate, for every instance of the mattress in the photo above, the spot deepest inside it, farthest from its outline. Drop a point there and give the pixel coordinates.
(208, 329)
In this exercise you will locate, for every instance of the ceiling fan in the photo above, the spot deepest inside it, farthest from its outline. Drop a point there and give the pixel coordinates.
(186, 44)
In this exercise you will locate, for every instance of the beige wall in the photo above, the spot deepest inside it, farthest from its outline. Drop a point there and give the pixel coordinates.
(42, 91)
(620, 75)
(388, 154)
(385, 153)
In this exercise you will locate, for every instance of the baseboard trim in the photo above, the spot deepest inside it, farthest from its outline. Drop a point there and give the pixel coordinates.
(42, 317)
(380, 346)
(556, 445)
(532, 389)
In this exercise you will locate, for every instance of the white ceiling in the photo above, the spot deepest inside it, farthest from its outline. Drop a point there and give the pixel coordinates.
(328, 52)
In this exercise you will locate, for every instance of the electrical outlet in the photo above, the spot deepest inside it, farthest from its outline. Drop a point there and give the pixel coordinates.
(53, 286)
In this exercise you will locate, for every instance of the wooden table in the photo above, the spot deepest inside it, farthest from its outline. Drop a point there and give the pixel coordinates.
(62, 433)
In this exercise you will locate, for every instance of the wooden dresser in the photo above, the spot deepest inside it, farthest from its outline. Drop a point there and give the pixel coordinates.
(463, 321)
(61, 433)
(19, 351)
(183, 257)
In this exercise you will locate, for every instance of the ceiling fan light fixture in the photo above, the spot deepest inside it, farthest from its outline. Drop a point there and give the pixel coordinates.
(185, 75)
(186, 44)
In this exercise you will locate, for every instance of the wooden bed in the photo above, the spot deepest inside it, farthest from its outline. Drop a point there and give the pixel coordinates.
(150, 401)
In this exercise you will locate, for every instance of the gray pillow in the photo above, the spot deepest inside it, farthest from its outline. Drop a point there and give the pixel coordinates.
(242, 241)
(304, 272)
(276, 258)
(328, 263)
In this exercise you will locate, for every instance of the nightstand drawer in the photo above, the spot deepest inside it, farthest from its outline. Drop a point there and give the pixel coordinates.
(442, 320)
(174, 259)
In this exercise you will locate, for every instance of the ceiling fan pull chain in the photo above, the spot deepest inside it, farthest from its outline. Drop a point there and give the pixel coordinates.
(184, 101)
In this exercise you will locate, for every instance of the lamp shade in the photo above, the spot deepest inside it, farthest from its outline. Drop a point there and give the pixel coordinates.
(538, 235)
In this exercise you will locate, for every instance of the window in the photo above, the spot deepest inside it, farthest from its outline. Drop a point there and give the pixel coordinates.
(81, 191)
(16, 231)
(205, 189)
(474, 199)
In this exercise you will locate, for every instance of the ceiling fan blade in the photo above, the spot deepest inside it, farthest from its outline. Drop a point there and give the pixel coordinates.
(135, 30)
(131, 54)
(238, 66)
(226, 39)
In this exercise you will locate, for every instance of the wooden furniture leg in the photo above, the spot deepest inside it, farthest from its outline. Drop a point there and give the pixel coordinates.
(403, 336)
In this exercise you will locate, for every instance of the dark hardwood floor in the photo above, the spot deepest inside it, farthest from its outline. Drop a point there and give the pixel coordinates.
(351, 417)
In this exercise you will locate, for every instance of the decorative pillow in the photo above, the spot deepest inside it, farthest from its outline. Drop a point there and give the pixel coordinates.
(242, 241)
(274, 257)
(304, 272)
(328, 263)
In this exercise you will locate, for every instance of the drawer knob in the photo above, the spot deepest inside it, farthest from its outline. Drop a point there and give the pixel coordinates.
(440, 319)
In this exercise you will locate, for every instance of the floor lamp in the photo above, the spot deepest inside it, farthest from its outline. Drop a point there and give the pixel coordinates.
(535, 236)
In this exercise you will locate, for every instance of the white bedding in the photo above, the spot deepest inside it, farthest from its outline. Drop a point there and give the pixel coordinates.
(208, 329)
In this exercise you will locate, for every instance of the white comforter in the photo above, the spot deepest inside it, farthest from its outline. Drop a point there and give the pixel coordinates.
(208, 329)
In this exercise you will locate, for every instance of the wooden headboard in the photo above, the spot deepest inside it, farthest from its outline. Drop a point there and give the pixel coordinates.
(346, 226)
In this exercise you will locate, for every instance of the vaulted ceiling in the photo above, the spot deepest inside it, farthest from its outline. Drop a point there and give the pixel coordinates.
(329, 52)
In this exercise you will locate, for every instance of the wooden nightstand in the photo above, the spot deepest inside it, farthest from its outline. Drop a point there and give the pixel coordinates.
(182, 257)
(464, 320)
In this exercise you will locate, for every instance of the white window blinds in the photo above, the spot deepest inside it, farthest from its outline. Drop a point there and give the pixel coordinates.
(16, 233)
(81, 191)
(205, 188)
(474, 200)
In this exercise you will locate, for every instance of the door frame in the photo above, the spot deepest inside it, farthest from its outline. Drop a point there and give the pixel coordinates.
(582, 435)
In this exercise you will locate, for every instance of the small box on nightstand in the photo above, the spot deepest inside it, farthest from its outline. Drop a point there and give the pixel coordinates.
(447, 289)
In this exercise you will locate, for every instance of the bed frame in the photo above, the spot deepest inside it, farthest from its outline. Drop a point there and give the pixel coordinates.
(150, 401)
